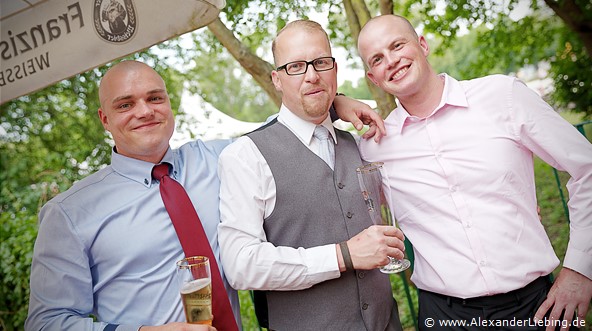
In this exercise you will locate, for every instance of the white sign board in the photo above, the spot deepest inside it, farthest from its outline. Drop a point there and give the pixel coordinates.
(55, 39)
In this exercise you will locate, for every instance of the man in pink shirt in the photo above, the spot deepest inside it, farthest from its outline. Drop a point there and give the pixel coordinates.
(459, 158)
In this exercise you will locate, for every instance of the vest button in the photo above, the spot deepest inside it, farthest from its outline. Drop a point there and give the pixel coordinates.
(340, 185)
(361, 274)
(349, 214)
(365, 306)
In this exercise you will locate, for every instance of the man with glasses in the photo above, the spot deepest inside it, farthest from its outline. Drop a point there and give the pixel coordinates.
(293, 222)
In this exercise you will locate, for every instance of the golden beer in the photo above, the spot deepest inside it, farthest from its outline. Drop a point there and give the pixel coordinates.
(197, 301)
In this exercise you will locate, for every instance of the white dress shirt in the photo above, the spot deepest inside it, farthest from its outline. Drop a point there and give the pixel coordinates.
(247, 197)
(463, 187)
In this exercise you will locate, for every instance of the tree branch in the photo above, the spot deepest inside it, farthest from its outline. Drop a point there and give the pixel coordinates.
(254, 65)
(574, 16)
(386, 7)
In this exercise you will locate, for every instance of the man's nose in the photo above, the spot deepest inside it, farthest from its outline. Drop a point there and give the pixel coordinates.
(144, 109)
(311, 73)
(392, 58)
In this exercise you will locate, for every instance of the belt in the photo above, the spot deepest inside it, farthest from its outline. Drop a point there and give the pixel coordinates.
(502, 298)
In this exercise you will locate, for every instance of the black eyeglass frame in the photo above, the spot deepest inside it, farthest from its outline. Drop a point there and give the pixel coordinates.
(311, 62)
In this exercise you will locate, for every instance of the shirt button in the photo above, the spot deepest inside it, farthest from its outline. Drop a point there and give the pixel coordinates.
(146, 181)
(361, 274)
(340, 185)
(482, 263)
(349, 214)
(453, 188)
(365, 306)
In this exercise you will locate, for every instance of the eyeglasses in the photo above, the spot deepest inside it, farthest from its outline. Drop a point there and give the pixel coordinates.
(300, 67)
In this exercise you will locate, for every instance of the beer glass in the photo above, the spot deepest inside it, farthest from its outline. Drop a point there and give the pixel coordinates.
(373, 182)
(195, 285)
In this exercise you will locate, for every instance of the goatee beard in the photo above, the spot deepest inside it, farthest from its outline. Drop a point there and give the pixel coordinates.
(316, 109)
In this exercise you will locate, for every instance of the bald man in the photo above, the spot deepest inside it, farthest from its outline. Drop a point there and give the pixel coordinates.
(107, 247)
(459, 155)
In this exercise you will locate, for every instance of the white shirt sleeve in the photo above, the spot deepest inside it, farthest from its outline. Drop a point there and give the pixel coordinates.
(247, 197)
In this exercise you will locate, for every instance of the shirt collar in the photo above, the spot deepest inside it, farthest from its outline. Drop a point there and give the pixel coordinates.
(138, 170)
(301, 128)
(453, 95)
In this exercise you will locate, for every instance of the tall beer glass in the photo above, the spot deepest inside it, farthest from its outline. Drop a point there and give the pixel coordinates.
(373, 182)
(195, 285)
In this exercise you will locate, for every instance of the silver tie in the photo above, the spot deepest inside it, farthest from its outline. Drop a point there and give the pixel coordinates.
(326, 145)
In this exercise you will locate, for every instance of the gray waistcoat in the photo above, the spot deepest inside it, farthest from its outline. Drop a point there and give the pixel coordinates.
(318, 206)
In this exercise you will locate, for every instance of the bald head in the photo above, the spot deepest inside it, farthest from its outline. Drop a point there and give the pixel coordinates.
(122, 69)
(389, 17)
(380, 26)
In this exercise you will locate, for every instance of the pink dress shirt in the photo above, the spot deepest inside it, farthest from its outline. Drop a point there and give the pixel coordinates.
(463, 189)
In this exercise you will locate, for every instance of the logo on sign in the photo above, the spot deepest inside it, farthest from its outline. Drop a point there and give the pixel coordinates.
(115, 20)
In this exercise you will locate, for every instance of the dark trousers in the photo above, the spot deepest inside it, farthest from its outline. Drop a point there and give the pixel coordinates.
(508, 311)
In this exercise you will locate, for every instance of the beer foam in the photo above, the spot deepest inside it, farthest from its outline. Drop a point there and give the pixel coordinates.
(195, 285)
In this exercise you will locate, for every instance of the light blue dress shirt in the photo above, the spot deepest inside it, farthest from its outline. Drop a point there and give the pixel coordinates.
(107, 246)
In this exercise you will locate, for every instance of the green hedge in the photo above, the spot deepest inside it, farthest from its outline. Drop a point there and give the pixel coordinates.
(17, 236)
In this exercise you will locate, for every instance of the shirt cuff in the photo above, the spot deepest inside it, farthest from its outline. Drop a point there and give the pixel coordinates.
(578, 261)
(322, 263)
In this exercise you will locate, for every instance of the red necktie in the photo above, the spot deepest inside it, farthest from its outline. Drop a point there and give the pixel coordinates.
(194, 241)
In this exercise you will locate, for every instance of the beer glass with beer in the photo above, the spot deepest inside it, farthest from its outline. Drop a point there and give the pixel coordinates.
(195, 285)
(373, 182)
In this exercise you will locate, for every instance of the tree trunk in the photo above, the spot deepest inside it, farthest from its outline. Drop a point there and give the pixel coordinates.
(387, 7)
(361, 11)
(357, 15)
(575, 18)
(254, 65)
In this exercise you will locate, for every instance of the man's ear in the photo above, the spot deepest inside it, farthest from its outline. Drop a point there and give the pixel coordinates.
(424, 46)
(103, 118)
(275, 78)
(371, 77)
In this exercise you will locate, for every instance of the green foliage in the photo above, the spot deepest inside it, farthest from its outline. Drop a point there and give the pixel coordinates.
(499, 43)
(17, 235)
(214, 75)
(50, 141)
(399, 292)
(514, 45)
(573, 85)
(361, 91)
(252, 20)
(248, 317)
(505, 49)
